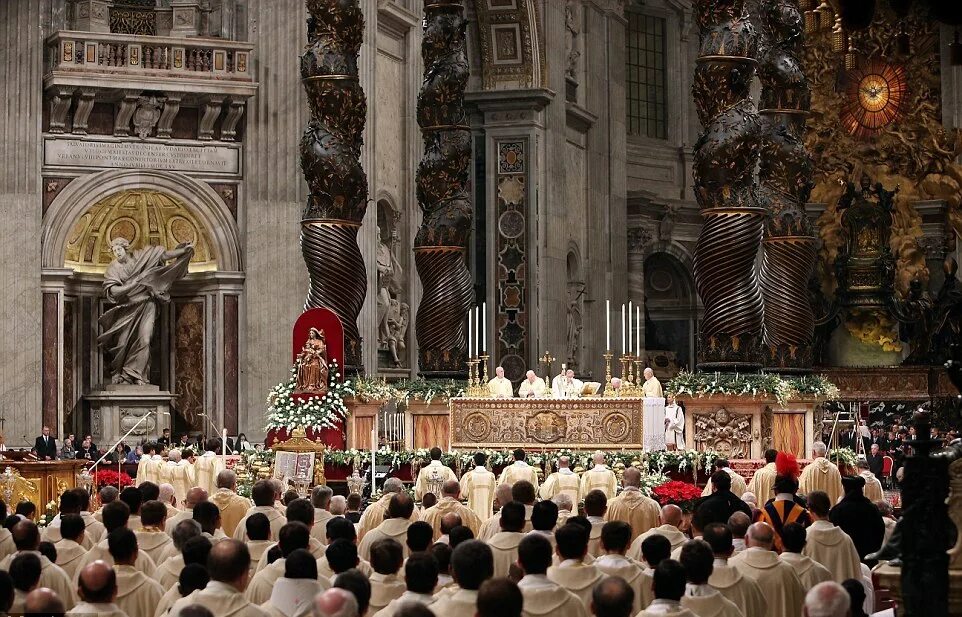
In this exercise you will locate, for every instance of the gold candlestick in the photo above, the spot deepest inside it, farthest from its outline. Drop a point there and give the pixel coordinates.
(547, 359)
(638, 375)
(484, 374)
(609, 391)
(472, 390)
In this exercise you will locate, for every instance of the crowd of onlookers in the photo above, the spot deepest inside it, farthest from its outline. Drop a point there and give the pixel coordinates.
(123, 452)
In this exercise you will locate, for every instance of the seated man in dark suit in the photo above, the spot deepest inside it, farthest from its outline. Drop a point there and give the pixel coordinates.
(875, 462)
(46, 446)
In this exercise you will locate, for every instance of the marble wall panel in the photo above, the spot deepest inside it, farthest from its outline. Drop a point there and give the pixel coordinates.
(231, 364)
(189, 348)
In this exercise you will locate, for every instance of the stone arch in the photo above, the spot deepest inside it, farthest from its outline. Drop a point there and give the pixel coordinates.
(508, 44)
(675, 249)
(84, 192)
(671, 307)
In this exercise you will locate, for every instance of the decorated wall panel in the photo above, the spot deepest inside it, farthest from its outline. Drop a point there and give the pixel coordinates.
(231, 363)
(511, 251)
(512, 52)
(189, 358)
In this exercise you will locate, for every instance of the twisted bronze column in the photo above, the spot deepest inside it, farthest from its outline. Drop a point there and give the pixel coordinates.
(330, 159)
(441, 244)
(725, 156)
(784, 187)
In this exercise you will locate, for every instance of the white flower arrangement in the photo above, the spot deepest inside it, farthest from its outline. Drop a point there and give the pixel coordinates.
(285, 411)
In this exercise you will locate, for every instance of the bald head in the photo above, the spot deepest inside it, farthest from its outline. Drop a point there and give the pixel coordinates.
(26, 536)
(335, 602)
(174, 455)
(195, 496)
(451, 488)
(631, 477)
(598, 458)
(97, 583)
(400, 506)
(43, 601)
(827, 599)
(450, 520)
(671, 515)
(760, 535)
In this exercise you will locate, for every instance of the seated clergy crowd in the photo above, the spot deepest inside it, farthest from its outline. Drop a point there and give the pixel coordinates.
(568, 547)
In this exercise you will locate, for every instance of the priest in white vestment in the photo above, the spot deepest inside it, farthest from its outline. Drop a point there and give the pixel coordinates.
(70, 550)
(97, 587)
(615, 540)
(639, 511)
(195, 496)
(671, 517)
(180, 474)
(420, 579)
(432, 476)
(821, 475)
(777, 579)
(502, 495)
(542, 596)
(450, 502)
(472, 564)
(292, 594)
(700, 597)
(519, 470)
(387, 557)
(809, 571)
(873, 488)
(763, 481)
(229, 564)
(504, 544)
(674, 425)
(151, 537)
(651, 387)
(373, 514)
(397, 519)
(500, 386)
(208, 465)
(599, 477)
(727, 579)
(532, 386)
(739, 486)
(828, 544)
(263, 497)
(137, 594)
(572, 573)
(477, 485)
(27, 538)
(562, 481)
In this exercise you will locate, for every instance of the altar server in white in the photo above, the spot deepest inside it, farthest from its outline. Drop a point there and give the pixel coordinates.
(674, 425)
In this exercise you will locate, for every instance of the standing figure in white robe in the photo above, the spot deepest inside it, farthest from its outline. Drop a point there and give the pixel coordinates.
(674, 425)
(208, 465)
(652, 387)
(478, 486)
(181, 474)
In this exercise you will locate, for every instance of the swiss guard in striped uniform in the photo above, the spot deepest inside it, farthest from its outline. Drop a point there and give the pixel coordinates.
(786, 507)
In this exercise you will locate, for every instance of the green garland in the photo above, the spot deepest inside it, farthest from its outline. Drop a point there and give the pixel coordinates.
(401, 392)
(844, 455)
(765, 384)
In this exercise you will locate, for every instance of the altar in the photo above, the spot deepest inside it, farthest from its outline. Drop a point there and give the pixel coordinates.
(602, 423)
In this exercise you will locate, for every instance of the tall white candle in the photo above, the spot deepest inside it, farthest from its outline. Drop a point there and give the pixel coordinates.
(470, 333)
(624, 349)
(223, 443)
(484, 326)
(607, 325)
(638, 333)
(477, 331)
(631, 313)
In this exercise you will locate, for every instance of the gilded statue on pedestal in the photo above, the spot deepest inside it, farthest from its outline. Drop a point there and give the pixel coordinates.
(312, 369)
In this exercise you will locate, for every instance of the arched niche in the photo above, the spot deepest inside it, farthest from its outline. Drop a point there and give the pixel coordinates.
(195, 351)
(671, 311)
(574, 316)
(392, 302)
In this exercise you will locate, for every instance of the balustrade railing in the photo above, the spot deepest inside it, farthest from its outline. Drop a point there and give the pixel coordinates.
(122, 53)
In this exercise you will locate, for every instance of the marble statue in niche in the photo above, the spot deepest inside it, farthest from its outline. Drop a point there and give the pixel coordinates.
(393, 313)
(312, 368)
(573, 29)
(135, 282)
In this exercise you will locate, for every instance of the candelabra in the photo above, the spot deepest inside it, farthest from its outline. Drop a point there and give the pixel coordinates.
(474, 387)
(609, 391)
(483, 371)
(625, 371)
(547, 359)
(639, 376)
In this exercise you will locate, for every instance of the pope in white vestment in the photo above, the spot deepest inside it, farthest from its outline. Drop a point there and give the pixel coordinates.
(652, 387)
(500, 386)
(532, 386)
(566, 386)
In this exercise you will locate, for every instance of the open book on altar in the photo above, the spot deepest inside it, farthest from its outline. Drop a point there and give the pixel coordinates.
(290, 465)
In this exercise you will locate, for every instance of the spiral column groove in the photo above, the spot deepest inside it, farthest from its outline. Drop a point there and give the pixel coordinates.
(330, 160)
(441, 243)
(724, 164)
(785, 183)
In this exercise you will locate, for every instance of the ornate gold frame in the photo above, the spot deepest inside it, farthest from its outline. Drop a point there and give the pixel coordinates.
(298, 442)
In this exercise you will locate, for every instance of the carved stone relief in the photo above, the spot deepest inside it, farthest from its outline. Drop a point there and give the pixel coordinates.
(724, 432)
(393, 312)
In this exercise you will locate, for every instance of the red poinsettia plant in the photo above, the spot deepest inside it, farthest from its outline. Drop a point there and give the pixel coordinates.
(109, 477)
(682, 494)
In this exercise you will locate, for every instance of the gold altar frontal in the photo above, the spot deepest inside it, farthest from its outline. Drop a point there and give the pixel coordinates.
(597, 423)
